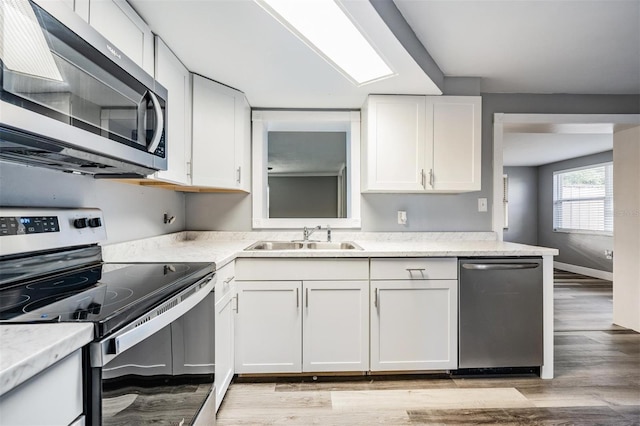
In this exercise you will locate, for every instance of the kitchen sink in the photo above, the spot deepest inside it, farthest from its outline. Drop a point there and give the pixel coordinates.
(332, 246)
(306, 245)
(275, 245)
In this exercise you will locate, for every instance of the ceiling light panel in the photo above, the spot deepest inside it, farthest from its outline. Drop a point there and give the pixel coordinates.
(325, 27)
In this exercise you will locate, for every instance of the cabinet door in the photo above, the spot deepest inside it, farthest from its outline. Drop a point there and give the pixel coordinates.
(395, 155)
(268, 329)
(335, 326)
(414, 325)
(214, 135)
(173, 75)
(120, 24)
(454, 131)
(224, 343)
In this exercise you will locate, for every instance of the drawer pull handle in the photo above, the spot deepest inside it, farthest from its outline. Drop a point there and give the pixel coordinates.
(307, 298)
(416, 269)
(228, 280)
(297, 299)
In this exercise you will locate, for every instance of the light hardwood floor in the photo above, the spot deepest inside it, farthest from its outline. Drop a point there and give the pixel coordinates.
(597, 368)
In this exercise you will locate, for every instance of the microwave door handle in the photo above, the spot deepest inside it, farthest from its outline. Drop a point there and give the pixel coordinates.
(157, 132)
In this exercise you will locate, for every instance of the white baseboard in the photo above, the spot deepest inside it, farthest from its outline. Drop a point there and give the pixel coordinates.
(596, 273)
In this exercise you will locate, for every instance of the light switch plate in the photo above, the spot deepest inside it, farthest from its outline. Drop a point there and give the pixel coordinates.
(402, 217)
(482, 204)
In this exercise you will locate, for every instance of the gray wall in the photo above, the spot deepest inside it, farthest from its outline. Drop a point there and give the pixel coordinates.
(304, 196)
(523, 205)
(575, 249)
(457, 212)
(130, 211)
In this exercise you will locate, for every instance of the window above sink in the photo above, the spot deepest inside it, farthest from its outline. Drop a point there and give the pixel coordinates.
(283, 129)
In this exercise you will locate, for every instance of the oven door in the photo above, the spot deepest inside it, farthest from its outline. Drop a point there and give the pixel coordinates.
(161, 371)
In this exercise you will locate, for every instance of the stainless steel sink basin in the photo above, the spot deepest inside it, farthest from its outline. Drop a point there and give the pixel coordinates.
(307, 245)
(275, 245)
(347, 245)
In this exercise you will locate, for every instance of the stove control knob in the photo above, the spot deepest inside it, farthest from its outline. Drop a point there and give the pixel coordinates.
(95, 222)
(80, 223)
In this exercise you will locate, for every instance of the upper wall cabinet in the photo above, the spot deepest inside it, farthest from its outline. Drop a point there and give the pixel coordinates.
(120, 24)
(421, 144)
(221, 136)
(173, 75)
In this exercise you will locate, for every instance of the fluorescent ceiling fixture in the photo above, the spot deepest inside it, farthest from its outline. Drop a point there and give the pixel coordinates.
(23, 47)
(326, 28)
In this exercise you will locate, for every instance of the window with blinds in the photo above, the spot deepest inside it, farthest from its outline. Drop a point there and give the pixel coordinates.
(583, 200)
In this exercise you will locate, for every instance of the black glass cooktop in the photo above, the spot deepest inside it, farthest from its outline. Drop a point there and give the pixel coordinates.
(110, 295)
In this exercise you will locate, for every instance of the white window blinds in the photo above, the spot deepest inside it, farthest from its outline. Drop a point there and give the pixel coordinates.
(583, 200)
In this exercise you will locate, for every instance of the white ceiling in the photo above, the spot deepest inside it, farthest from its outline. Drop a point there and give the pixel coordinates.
(526, 149)
(533, 46)
(238, 43)
(535, 145)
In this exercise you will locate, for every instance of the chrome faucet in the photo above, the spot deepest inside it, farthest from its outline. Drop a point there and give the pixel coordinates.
(306, 232)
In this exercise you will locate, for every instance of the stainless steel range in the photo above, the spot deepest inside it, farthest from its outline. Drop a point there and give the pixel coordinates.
(152, 358)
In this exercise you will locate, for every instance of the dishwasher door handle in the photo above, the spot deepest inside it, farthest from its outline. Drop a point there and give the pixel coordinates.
(499, 266)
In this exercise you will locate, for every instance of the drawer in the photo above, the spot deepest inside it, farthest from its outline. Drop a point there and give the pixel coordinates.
(296, 269)
(416, 268)
(225, 277)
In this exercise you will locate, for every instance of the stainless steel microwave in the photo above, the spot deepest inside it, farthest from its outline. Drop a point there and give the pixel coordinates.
(70, 100)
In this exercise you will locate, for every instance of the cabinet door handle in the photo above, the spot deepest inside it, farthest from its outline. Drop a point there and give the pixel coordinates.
(239, 171)
(297, 299)
(237, 303)
(236, 297)
(422, 179)
(412, 270)
(228, 280)
(307, 298)
(431, 178)
(375, 297)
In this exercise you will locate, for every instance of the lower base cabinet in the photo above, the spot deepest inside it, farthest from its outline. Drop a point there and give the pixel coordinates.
(53, 397)
(225, 296)
(294, 326)
(414, 325)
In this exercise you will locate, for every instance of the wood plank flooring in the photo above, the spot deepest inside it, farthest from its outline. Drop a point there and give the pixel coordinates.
(597, 382)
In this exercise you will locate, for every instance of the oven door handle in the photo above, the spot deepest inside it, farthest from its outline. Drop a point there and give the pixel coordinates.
(133, 337)
(111, 347)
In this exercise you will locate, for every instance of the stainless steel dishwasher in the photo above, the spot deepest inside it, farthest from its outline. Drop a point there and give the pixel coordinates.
(500, 312)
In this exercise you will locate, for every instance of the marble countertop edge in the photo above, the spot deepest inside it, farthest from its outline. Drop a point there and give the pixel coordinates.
(41, 346)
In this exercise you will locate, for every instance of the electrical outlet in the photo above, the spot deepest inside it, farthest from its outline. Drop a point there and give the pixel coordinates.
(402, 217)
(482, 204)
(608, 254)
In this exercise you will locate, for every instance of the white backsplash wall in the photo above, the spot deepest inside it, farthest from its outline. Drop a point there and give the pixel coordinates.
(130, 211)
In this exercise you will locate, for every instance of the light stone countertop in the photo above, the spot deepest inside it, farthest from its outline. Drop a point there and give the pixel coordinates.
(27, 349)
(30, 348)
(223, 247)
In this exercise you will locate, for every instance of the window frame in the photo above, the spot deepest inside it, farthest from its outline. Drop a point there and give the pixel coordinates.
(607, 200)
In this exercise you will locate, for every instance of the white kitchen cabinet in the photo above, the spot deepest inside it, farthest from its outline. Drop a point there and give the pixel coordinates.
(421, 144)
(221, 136)
(119, 23)
(174, 76)
(302, 315)
(268, 327)
(53, 397)
(335, 326)
(224, 325)
(414, 320)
